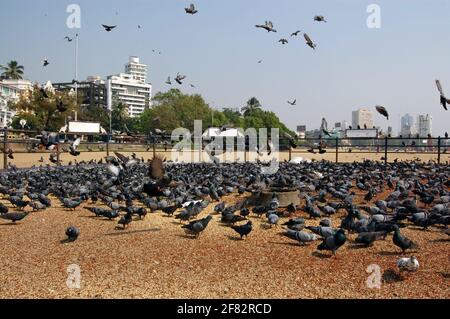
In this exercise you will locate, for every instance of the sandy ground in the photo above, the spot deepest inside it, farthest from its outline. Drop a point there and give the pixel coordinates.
(154, 258)
(30, 159)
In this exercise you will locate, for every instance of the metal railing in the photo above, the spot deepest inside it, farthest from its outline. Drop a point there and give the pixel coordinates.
(25, 141)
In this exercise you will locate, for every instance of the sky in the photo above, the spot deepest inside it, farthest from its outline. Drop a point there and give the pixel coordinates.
(218, 49)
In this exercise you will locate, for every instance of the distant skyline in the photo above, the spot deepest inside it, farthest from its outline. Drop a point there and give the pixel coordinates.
(219, 48)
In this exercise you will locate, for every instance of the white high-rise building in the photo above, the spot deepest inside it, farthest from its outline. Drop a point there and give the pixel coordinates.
(131, 87)
(407, 125)
(424, 125)
(362, 117)
(136, 69)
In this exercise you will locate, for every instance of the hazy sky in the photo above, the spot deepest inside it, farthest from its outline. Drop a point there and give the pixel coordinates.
(218, 49)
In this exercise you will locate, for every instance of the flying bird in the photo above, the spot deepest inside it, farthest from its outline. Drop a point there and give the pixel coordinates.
(73, 147)
(293, 102)
(294, 34)
(45, 62)
(168, 81)
(382, 110)
(108, 27)
(68, 39)
(408, 264)
(191, 9)
(283, 41)
(268, 25)
(192, 85)
(324, 127)
(180, 78)
(260, 61)
(309, 42)
(320, 19)
(444, 100)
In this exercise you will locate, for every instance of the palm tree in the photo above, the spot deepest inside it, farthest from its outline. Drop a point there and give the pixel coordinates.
(12, 71)
(252, 105)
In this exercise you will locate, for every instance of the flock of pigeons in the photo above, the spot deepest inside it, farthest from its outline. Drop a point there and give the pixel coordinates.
(126, 189)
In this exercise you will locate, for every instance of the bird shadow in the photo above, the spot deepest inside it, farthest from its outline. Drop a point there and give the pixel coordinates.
(123, 232)
(321, 255)
(234, 238)
(446, 275)
(355, 246)
(389, 253)
(66, 241)
(9, 224)
(391, 276)
(265, 226)
(441, 240)
(286, 243)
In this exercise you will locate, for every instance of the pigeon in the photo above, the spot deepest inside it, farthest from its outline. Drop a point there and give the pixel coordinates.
(408, 264)
(382, 110)
(73, 147)
(294, 34)
(268, 25)
(309, 42)
(179, 78)
(108, 28)
(168, 81)
(322, 231)
(125, 220)
(273, 219)
(60, 106)
(14, 216)
(324, 127)
(403, 242)
(319, 19)
(333, 242)
(72, 233)
(191, 9)
(295, 224)
(368, 238)
(68, 39)
(443, 99)
(243, 230)
(197, 226)
(10, 153)
(300, 236)
(45, 62)
(293, 102)
(283, 41)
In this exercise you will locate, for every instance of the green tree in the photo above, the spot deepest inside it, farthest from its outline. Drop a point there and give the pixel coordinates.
(12, 71)
(252, 105)
(44, 109)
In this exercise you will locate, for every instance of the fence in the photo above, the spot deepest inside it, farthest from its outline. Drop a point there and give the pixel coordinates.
(25, 143)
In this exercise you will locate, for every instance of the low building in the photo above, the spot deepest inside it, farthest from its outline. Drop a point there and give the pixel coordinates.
(10, 91)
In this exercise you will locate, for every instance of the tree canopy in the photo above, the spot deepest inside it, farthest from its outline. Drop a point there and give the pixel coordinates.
(12, 71)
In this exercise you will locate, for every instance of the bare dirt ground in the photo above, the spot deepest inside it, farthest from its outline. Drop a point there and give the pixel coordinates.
(154, 258)
(29, 159)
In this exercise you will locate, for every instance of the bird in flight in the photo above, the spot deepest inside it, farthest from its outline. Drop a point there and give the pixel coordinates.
(444, 100)
(191, 9)
(139, 26)
(320, 19)
(260, 61)
(68, 39)
(324, 127)
(180, 78)
(309, 42)
(382, 110)
(192, 85)
(294, 34)
(268, 25)
(293, 102)
(45, 62)
(108, 27)
(283, 41)
(168, 81)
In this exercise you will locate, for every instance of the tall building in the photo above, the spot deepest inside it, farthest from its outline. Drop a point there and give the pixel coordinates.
(407, 125)
(131, 87)
(362, 117)
(10, 91)
(424, 125)
(301, 128)
(136, 69)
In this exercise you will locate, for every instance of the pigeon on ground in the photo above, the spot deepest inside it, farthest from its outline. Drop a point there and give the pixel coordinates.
(408, 264)
(333, 242)
(243, 230)
(300, 236)
(72, 233)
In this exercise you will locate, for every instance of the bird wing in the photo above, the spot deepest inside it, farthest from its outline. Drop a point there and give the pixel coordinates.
(121, 157)
(76, 143)
(192, 7)
(439, 87)
(109, 26)
(324, 125)
(270, 24)
(307, 38)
